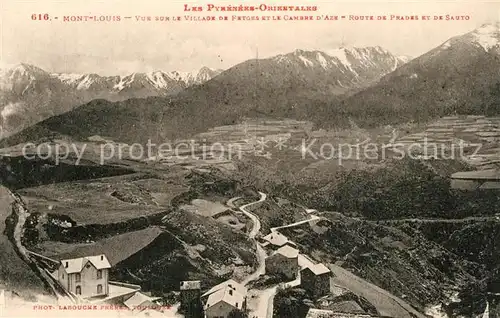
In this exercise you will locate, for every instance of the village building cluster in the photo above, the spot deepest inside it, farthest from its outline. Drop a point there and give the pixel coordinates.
(285, 260)
(86, 280)
(228, 297)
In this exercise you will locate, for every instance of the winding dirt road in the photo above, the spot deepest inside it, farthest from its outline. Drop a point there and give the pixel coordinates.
(256, 222)
(261, 254)
(19, 209)
(311, 218)
(264, 298)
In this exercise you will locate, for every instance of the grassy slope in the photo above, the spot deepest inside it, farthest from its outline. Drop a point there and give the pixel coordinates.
(14, 273)
(273, 213)
(143, 249)
(117, 248)
(386, 303)
(409, 266)
(191, 247)
(81, 201)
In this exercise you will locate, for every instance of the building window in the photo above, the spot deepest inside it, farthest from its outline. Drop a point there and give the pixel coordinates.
(236, 305)
(99, 289)
(66, 265)
(78, 277)
(99, 274)
(78, 290)
(63, 275)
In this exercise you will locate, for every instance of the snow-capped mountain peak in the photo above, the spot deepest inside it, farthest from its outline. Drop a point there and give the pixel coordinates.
(322, 60)
(341, 56)
(25, 72)
(68, 78)
(206, 73)
(158, 79)
(487, 36)
(21, 78)
(344, 59)
(404, 58)
(85, 83)
(341, 68)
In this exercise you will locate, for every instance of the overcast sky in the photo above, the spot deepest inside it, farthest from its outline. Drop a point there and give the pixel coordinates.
(129, 46)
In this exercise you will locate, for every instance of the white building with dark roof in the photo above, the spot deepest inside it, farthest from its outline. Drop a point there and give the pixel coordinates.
(85, 276)
(283, 261)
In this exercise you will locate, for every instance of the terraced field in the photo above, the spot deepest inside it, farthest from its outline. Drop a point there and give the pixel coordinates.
(477, 136)
(474, 139)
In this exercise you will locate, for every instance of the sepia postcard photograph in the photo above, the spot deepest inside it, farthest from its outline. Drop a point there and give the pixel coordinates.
(250, 159)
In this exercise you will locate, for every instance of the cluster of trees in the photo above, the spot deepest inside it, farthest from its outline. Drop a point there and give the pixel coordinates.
(291, 302)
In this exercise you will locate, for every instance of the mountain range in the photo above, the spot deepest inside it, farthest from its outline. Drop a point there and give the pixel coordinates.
(367, 86)
(288, 85)
(29, 94)
(460, 76)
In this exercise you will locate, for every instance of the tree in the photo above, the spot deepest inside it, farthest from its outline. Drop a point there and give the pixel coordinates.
(236, 313)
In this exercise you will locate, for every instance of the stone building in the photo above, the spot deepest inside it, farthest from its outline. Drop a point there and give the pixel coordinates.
(225, 298)
(315, 279)
(275, 240)
(190, 296)
(284, 262)
(141, 302)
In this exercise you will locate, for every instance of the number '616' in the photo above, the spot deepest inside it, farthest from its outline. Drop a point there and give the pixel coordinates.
(39, 16)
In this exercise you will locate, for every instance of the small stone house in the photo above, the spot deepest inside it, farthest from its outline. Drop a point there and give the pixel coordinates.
(190, 296)
(85, 276)
(275, 240)
(141, 302)
(284, 261)
(316, 280)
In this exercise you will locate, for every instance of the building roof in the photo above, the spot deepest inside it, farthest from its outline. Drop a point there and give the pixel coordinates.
(229, 295)
(276, 239)
(116, 291)
(490, 185)
(190, 285)
(321, 313)
(231, 283)
(487, 174)
(288, 251)
(137, 300)
(75, 265)
(318, 269)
